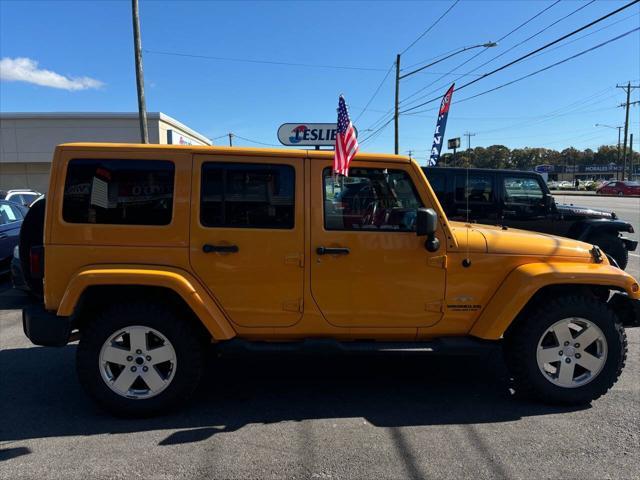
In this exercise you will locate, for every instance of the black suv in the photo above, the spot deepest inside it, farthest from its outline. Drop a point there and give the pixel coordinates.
(522, 200)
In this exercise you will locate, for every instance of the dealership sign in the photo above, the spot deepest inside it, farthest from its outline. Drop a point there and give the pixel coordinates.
(544, 168)
(308, 134)
(176, 138)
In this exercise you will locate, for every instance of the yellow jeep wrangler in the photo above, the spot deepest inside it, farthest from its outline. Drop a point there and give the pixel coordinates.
(151, 253)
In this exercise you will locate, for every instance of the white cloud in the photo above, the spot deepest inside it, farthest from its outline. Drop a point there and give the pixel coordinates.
(23, 69)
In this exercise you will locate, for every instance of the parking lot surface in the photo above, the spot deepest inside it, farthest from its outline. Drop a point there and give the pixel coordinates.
(316, 416)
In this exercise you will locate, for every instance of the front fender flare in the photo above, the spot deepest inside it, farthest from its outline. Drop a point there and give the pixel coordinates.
(593, 226)
(179, 281)
(524, 281)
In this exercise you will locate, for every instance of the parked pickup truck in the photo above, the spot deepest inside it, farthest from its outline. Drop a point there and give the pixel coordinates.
(153, 252)
(519, 199)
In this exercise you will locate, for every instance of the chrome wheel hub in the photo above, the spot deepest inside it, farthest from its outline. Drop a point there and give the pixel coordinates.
(137, 362)
(572, 352)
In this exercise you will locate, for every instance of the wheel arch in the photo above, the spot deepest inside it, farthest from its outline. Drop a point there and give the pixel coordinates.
(586, 229)
(528, 284)
(98, 287)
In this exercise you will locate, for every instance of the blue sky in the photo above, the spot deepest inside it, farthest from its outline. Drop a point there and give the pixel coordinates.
(89, 45)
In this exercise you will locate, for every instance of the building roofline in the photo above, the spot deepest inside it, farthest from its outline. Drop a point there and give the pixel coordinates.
(160, 116)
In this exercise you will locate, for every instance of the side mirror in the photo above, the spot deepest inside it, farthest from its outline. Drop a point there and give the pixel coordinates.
(427, 225)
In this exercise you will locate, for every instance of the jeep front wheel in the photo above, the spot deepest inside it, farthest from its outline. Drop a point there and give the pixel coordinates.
(139, 360)
(570, 350)
(612, 245)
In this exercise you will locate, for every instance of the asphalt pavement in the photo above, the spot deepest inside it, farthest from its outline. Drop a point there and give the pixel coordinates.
(315, 416)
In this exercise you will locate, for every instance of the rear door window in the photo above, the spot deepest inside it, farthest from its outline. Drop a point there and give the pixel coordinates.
(478, 190)
(242, 195)
(522, 190)
(123, 192)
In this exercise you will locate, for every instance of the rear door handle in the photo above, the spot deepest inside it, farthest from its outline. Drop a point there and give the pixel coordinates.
(332, 251)
(207, 248)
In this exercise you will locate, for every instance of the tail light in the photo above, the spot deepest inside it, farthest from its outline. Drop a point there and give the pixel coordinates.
(36, 261)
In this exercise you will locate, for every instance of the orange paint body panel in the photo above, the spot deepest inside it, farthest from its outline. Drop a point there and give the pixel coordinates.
(276, 286)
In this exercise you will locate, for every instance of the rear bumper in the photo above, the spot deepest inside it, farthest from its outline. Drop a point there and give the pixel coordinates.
(627, 309)
(45, 328)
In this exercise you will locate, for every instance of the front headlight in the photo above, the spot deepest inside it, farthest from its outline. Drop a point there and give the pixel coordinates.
(16, 252)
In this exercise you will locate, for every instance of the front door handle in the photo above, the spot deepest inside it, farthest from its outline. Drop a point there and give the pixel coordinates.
(332, 251)
(207, 248)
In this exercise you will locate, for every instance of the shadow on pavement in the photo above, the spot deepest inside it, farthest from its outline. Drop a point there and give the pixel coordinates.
(40, 395)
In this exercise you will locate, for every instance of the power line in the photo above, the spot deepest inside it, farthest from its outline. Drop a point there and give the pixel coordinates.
(533, 52)
(255, 141)
(374, 93)
(267, 62)
(430, 27)
(535, 34)
(549, 66)
(553, 64)
(480, 52)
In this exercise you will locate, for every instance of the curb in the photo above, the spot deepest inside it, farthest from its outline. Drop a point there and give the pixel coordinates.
(588, 194)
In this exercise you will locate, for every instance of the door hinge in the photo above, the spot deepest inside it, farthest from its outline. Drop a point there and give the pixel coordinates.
(434, 306)
(294, 259)
(293, 305)
(439, 261)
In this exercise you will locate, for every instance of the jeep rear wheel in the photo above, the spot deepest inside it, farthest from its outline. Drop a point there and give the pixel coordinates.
(139, 359)
(612, 245)
(570, 350)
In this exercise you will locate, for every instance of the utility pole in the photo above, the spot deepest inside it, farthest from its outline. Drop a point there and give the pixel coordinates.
(400, 77)
(137, 43)
(397, 104)
(627, 89)
(410, 152)
(230, 139)
(631, 172)
(469, 135)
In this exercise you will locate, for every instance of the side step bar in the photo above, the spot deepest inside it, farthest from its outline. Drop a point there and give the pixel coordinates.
(441, 346)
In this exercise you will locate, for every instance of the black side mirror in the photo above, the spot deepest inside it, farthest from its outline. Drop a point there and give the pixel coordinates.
(427, 225)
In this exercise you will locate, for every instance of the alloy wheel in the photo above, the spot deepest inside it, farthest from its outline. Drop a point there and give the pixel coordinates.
(137, 362)
(572, 352)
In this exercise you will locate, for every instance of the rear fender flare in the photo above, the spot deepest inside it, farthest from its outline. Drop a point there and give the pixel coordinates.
(524, 281)
(179, 281)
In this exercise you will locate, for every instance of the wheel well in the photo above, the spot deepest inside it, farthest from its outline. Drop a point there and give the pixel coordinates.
(545, 294)
(99, 297)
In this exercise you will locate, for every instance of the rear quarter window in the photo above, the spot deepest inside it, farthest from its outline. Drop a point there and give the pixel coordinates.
(124, 192)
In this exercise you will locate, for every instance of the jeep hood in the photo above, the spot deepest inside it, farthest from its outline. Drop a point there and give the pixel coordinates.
(586, 212)
(488, 239)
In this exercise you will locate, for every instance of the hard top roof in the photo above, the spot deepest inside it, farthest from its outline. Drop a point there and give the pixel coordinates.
(240, 151)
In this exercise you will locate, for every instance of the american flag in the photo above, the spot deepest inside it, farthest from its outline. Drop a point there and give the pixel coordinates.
(346, 141)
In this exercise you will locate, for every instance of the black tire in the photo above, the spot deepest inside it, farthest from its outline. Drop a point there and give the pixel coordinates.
(612, 244)
(521, 345)
(187, 342)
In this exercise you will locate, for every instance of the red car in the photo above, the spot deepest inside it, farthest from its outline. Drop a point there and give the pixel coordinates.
(617, 187)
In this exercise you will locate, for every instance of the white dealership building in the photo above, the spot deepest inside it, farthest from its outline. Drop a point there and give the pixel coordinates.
(27, 140)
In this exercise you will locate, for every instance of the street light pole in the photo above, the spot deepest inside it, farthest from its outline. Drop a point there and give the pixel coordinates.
(400, 77)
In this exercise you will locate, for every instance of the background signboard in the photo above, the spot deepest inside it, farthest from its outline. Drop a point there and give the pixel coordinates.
(308, 134)
(453, 143)
(177, 138)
